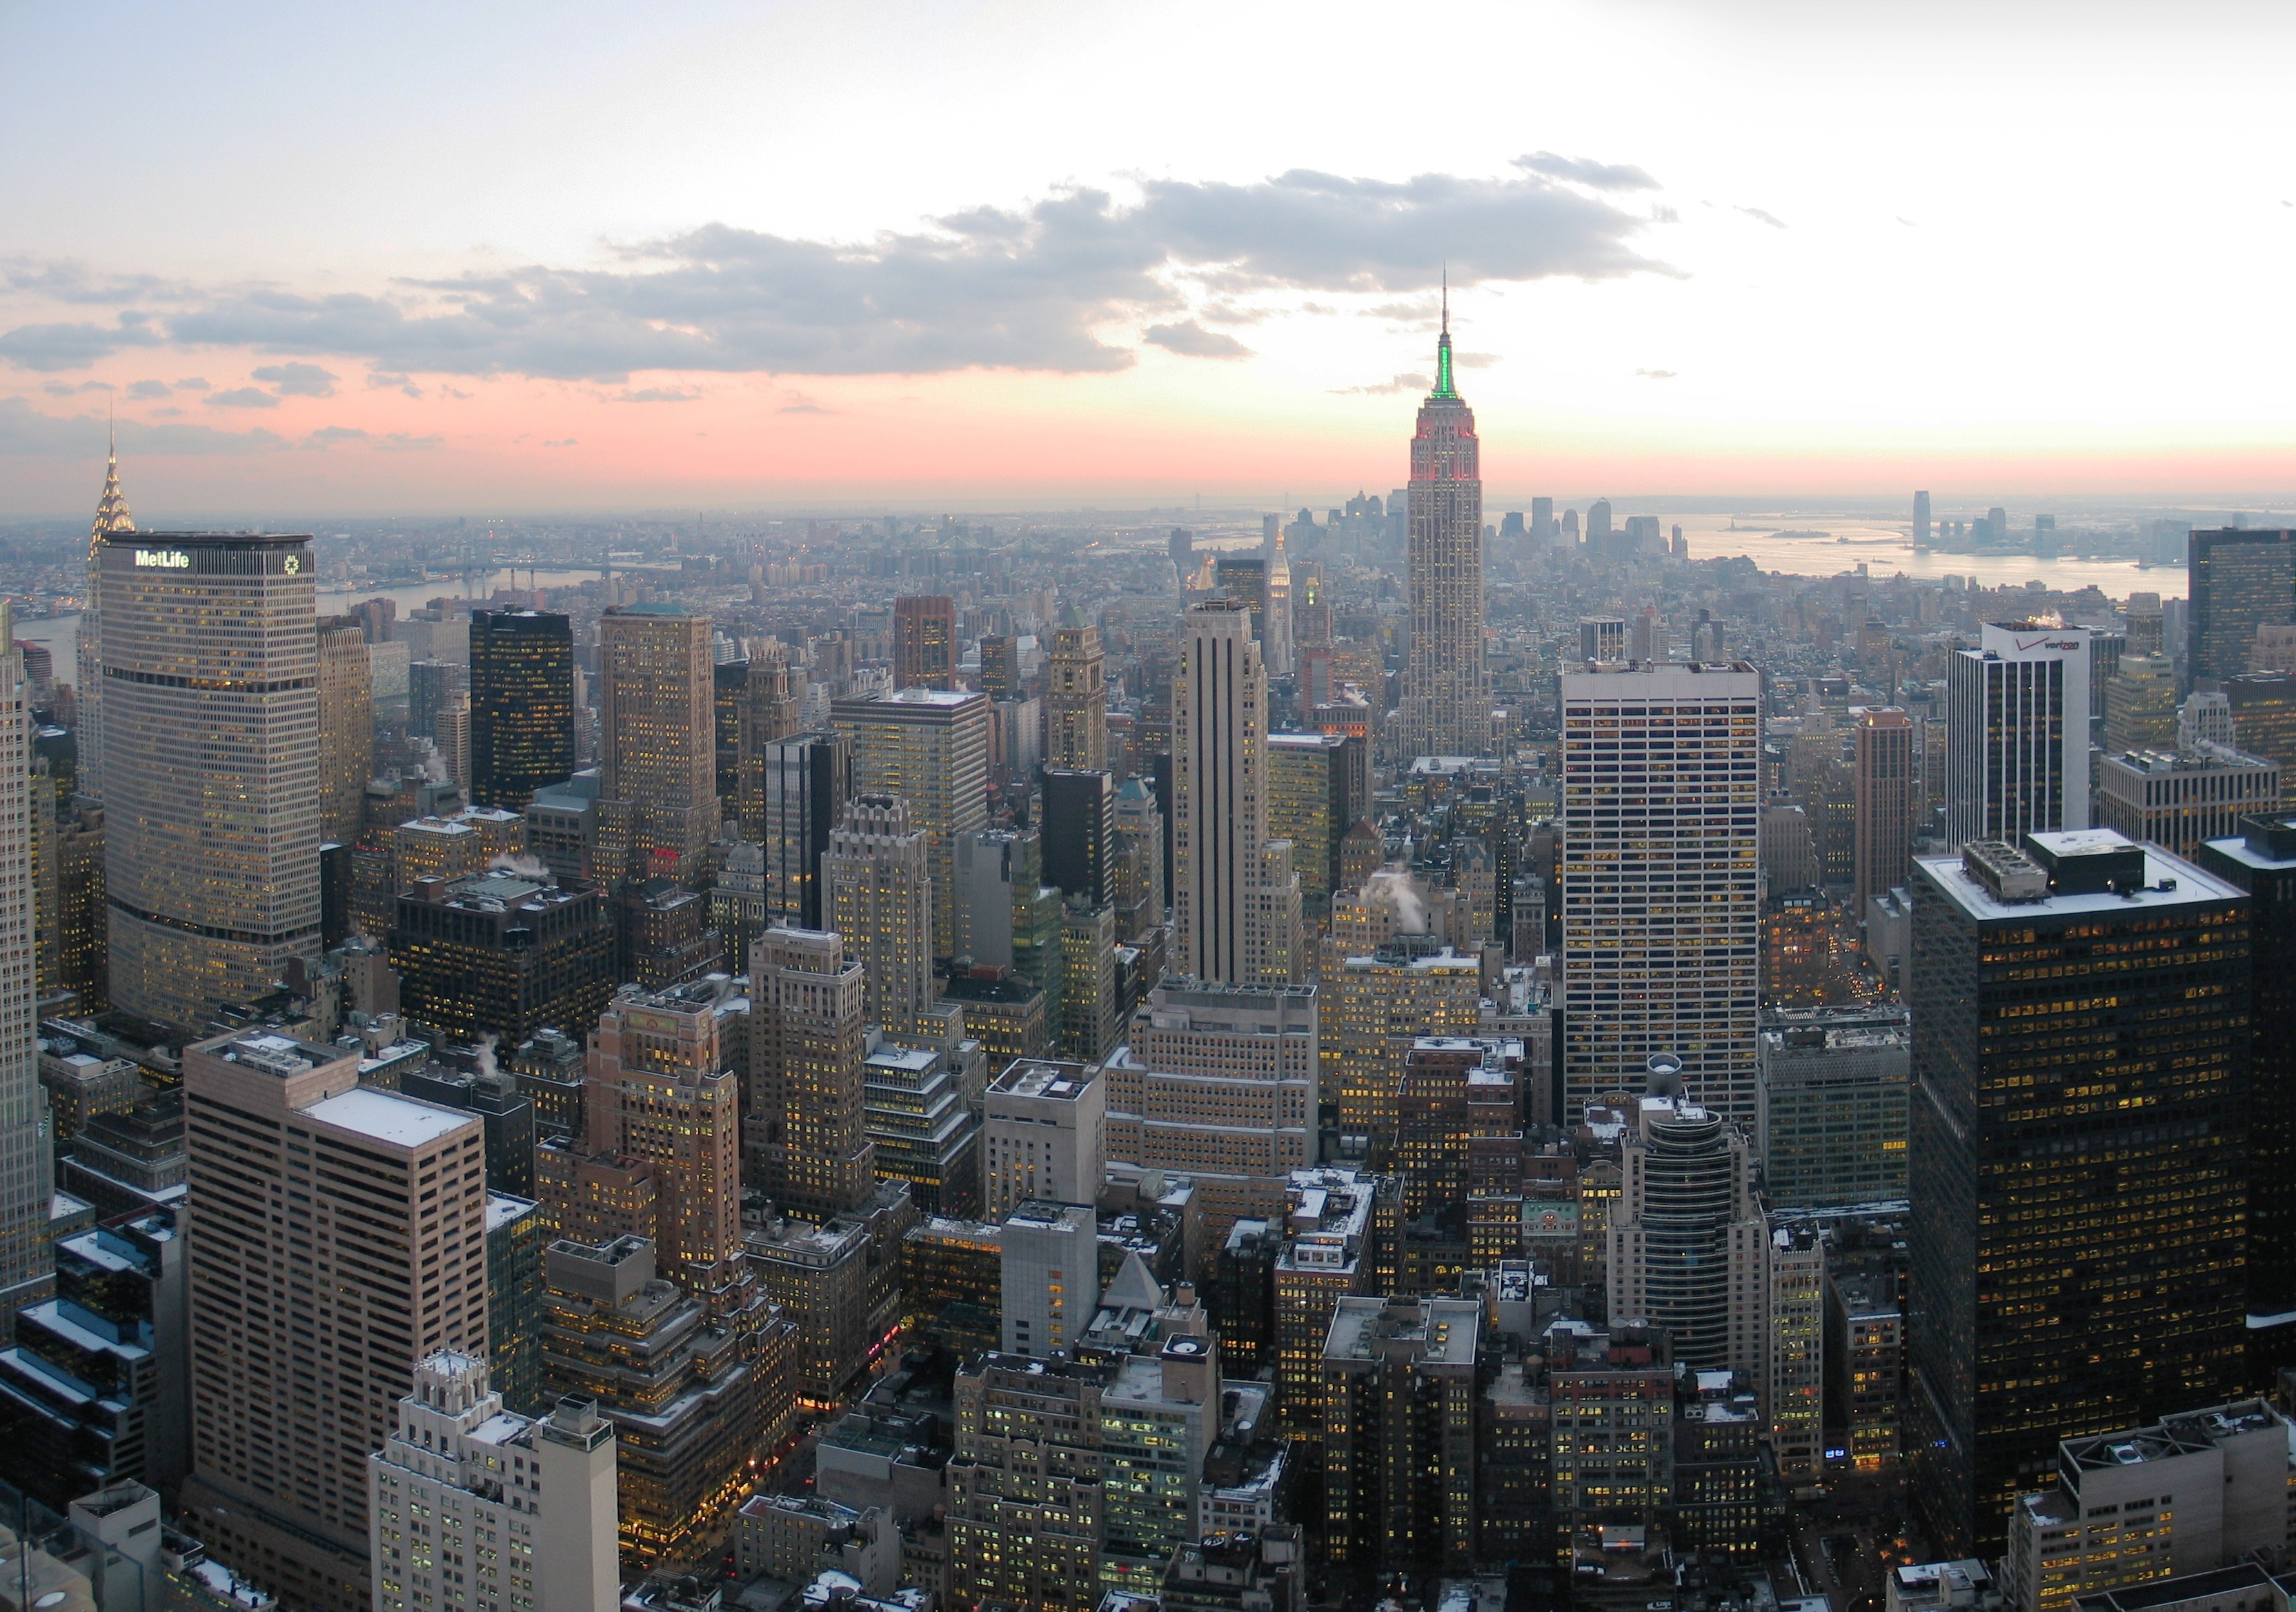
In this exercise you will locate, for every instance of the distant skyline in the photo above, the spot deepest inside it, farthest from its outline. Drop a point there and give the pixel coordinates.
(1034, 255)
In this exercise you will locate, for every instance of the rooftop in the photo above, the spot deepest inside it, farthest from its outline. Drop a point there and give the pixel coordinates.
(2186, 885)
(388, 1117)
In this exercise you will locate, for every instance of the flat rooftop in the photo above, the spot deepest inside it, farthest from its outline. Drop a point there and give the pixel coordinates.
(388, 1117)
(2192, 888)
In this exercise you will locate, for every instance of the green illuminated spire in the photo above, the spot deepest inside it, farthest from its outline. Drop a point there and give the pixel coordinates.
(1443, 387)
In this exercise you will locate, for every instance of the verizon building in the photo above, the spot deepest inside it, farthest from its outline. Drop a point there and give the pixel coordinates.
(211, 662)
(2017, 733)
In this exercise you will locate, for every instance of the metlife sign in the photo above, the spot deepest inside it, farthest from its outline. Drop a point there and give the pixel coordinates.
(165, 559)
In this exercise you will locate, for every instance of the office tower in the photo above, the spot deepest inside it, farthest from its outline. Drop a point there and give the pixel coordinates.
(450, 737)
(1217, 1082)
(1050, 1272)
(770, 708)
(737, 897)
(503, 955)
(211, 863)
(1883, 832)
(521, 705)
(2180, 799)
(1318, 787)
(2240, 580)
(1139, 880)
(516, 1232)
(2262, 706)
(690, 1401)
(2140, 705)
(1921, 519)
(1603, 640)
(1076, 698)
(925, 1132)
(931, 747)
(658, 796)
(1276, 625)
(111, 515)
(1830, 1125)
(2017, 733)
(2124, 1082)
(1025, 1485)
(2192, 1493)
(1236, 897)
(1687, 1235)
(924, 643)
(881, 902)
(1243, 577)
(1079, 819)
(346, 728)
(2144, 616)
(795, 1538)
(729, 694)
(1447, 697)
(806, 1137)
(26, 1169)
(1372, 1007)
(1000, 667)
(1042, 1135)
(83, 957)
(429, 683)
(2259, 857)
(316, 1210)
(1458, 1104)
(1091, 1008)
(461, 1480)
(804, 782)
(1661, 908)
(1181, 546)
(1399, 1436)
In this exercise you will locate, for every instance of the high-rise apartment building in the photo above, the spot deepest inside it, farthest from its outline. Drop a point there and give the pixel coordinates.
(658, 754)
(2042, 1115)
(211, 709)
(2017, 733)
(1883, 833)
(1076, 696)
(1399, 1436)
(346, 728)
(521, 705)
(2240, 580)
(807, 1141)
(2140, 705)
(924, 643)
(1447, 701)
(462, 1519)
(931, 747)
(880, 904)
(337, 1238)
(1235, 897)
(1661, 896)
(804, 782)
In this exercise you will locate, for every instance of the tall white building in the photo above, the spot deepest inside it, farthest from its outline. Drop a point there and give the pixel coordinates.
(1050, 1267)
(474, 1508)
(26, 1165)
(1235, 897)
(1662, 881)
(2017, 733)
(210, 661)
(1042, 1135)
(338, 1239)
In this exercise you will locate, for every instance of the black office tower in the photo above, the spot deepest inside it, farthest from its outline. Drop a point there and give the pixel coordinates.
(804, 784)
(521, 705)
(1079, 832)
(2240, 581)
(2078, 1154)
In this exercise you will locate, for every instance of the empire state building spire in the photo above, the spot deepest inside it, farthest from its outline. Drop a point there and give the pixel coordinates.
(1447, 707)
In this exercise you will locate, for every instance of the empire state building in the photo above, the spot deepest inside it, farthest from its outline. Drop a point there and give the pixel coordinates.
(1447, 707)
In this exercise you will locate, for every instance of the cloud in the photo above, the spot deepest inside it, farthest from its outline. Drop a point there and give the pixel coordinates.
(166, 413)
(244, 397)
(805, 408)
(1775, 222)
(65, 389)
(68, 280)
(149, 388)
(1401, 383)
(1581, 170)
(1030, 288)
(399, 442)
(327, 435)
(1193, 340)
(1474, 361)
(27, 433)
(1656, 375)
(193, 385)
(297, 380)
(657, 394)
(561, 441)
(378, 378)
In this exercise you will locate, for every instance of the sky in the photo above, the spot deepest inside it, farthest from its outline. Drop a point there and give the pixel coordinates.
(412, 257)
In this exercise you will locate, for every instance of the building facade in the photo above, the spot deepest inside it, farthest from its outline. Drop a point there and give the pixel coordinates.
(931, 747)
(2017, 715)
(521, 705)
(1446, 707)
(657, 743)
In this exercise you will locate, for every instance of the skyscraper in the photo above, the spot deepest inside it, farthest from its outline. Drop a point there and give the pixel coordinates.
(924, 643)
(1079, 833)
(2017, 733)
(1236, 897)
(1920, 519)
(210, 663)
(26, 1168)
(1276, 637)
(111, 515)
(880, 901)
(931, 747)
(803, 783)
(1447, 702)
(1687, 1235)
(521, 705)
(807, 1141)
(658, 798)
(313, 1202)
(772, 704)
(1662, 894)
(1076, 702)
(2078, 1159)
(2240, 580)
(346, 728)
(1883, 833)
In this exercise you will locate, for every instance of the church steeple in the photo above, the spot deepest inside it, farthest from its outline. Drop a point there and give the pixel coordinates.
(1443, 387)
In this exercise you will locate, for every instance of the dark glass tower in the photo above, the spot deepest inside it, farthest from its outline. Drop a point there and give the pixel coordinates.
(2078, 1160)
(521, 705)
(1079, 832)
(2240, 580)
